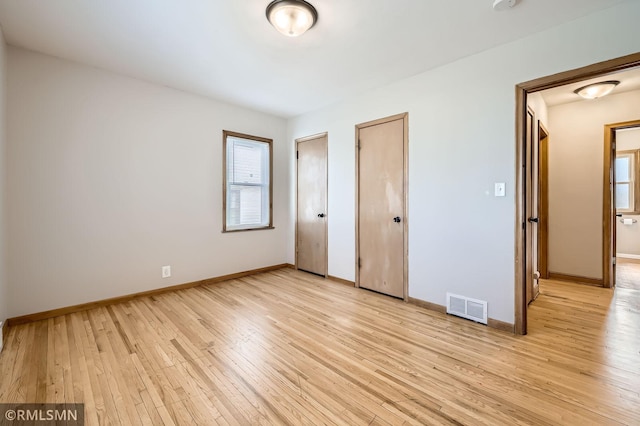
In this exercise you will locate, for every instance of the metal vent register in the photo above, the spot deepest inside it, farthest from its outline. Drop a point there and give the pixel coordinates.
(465, 307)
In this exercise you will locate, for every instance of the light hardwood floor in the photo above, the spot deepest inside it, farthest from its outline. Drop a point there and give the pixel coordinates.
(628, 273)
(287, 347)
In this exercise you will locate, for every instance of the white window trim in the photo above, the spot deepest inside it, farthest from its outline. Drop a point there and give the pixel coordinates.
(633, 182)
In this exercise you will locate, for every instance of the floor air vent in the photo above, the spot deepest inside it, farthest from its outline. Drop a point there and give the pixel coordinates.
(465, 307)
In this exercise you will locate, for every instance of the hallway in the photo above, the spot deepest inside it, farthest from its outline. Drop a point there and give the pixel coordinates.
(598, 329)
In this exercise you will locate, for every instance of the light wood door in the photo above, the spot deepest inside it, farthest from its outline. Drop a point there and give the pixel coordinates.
(613, 214)
(381, 206)
(543, 201)
(311, 223)
(532, 209)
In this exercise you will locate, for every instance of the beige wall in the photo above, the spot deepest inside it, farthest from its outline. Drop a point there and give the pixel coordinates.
(536, 102)
(576, 152)
(110, 178)
(461, 141)
(628, 236)
(4, 293)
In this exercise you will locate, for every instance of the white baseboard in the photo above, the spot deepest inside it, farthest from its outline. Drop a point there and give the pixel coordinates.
(628, 256)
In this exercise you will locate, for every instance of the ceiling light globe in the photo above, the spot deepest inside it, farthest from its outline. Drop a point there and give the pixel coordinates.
(291, 17)
(597, 90)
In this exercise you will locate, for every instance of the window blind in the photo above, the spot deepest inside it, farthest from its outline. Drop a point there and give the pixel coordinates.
(247, 183)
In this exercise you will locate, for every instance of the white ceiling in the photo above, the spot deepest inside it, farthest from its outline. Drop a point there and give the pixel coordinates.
(629, 80)
(226, 49)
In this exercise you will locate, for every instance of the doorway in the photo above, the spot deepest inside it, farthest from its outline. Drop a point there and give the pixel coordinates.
(619, 190)
(381, 206)
(311, 209)
(524, 256)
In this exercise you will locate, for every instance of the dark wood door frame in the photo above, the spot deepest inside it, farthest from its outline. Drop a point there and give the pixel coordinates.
(522, 256)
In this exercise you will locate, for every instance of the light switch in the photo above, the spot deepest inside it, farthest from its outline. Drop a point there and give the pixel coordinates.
(499, 189)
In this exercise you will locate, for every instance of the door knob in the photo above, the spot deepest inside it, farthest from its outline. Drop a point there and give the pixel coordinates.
(396, 219)
(533, 220)
(321, 215)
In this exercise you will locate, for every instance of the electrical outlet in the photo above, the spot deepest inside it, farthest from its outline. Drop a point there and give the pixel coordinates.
(499, 189)
(166, 271)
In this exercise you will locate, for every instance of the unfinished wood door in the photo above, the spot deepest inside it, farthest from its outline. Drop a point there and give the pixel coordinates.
(532, 209)
(311, 222)
(381, 223)
(543, 201)
(609, 262)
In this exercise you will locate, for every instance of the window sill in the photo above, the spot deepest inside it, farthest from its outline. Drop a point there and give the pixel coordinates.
(226, 231)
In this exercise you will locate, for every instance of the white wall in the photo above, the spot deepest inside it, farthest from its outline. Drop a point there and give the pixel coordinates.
(576, 163)
(461, 141)
(536, 102)
(111, 178)
(628, 236)
(4, 292)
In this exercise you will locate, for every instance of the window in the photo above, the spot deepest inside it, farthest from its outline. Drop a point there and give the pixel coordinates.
(247, 187)
(627, 182)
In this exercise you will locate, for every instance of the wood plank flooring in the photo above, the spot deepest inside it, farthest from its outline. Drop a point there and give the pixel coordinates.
(628, 273)
(287, 347)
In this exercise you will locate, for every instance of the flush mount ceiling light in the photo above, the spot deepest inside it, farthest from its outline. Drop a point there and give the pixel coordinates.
(503, 4)
(291, 17)
(597, 90)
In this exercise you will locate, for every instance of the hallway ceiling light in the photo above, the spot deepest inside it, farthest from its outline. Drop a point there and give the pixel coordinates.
(597, 90)
(503, 4)
(291, 17)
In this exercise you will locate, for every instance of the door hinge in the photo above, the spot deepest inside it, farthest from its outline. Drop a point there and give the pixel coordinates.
(358, 144)
(359, 263)
(614, 260)
(297, 155)
(613, 145)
